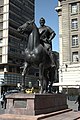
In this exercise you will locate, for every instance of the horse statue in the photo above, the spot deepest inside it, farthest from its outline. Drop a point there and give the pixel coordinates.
(36, 56)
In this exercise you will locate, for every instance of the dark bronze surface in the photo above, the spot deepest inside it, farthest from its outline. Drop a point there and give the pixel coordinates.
(39, 53)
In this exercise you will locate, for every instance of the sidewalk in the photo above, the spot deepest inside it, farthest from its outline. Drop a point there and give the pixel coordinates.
(72, 105)
(59, 115)
(65, 116)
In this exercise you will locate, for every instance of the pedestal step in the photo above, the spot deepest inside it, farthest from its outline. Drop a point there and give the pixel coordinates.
(28, 117)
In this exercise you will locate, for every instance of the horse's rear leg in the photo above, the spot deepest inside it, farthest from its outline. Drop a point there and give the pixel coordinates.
(41, 71)
(45, 81)
(52, 79)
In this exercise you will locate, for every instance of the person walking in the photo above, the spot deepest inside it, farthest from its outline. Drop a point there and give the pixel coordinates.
(78, 101)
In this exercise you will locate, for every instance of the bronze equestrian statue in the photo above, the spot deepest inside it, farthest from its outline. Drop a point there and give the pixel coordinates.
(37, 55)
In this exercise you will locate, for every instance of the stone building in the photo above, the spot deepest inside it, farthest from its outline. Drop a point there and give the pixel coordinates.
(13, 13)
(69, 44)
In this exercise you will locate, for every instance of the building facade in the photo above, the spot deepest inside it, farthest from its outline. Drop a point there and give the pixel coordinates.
(69, 43)
(13, 13)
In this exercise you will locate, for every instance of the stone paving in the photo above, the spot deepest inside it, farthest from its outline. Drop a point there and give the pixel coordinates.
(59, 115)
(1, 109)
(65, 116)
(72, 105)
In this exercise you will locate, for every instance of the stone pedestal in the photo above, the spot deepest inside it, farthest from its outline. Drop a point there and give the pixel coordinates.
(34, 104)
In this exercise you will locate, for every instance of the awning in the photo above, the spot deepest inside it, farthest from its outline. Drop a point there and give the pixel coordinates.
(66, 84)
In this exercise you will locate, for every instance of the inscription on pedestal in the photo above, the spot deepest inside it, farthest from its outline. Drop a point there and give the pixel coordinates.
(20, 103)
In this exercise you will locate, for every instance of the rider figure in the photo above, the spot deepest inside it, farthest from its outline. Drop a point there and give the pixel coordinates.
(46, 36)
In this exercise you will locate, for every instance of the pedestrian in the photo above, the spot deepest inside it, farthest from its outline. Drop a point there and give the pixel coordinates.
(2, 100)
(78, 101)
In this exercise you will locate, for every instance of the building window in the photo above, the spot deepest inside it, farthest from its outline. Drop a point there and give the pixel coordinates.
(74, 8)
(0, 50)
(74, 40)
(1, 2)
(1, 34)
(74, 23)
(37, 74)
(1, 68)
(75, 57)
(1, 26)
(1, 18)
(1, 59)
(1, 9)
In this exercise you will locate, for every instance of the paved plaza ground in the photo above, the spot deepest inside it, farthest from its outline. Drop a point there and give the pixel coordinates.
(65, 116)
(72, 105)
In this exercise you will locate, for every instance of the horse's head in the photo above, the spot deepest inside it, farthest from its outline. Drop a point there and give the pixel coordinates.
(26, 27)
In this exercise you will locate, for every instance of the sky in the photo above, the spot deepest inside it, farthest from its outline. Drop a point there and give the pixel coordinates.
(46, 9)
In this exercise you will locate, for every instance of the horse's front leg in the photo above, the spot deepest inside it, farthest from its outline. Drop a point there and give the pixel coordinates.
(41, 71)
(52, 79)
(24, 72)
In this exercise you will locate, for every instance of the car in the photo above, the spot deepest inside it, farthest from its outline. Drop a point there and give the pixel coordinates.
(36, 90)
(28, 90)
(32, 90)
(11, 91)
